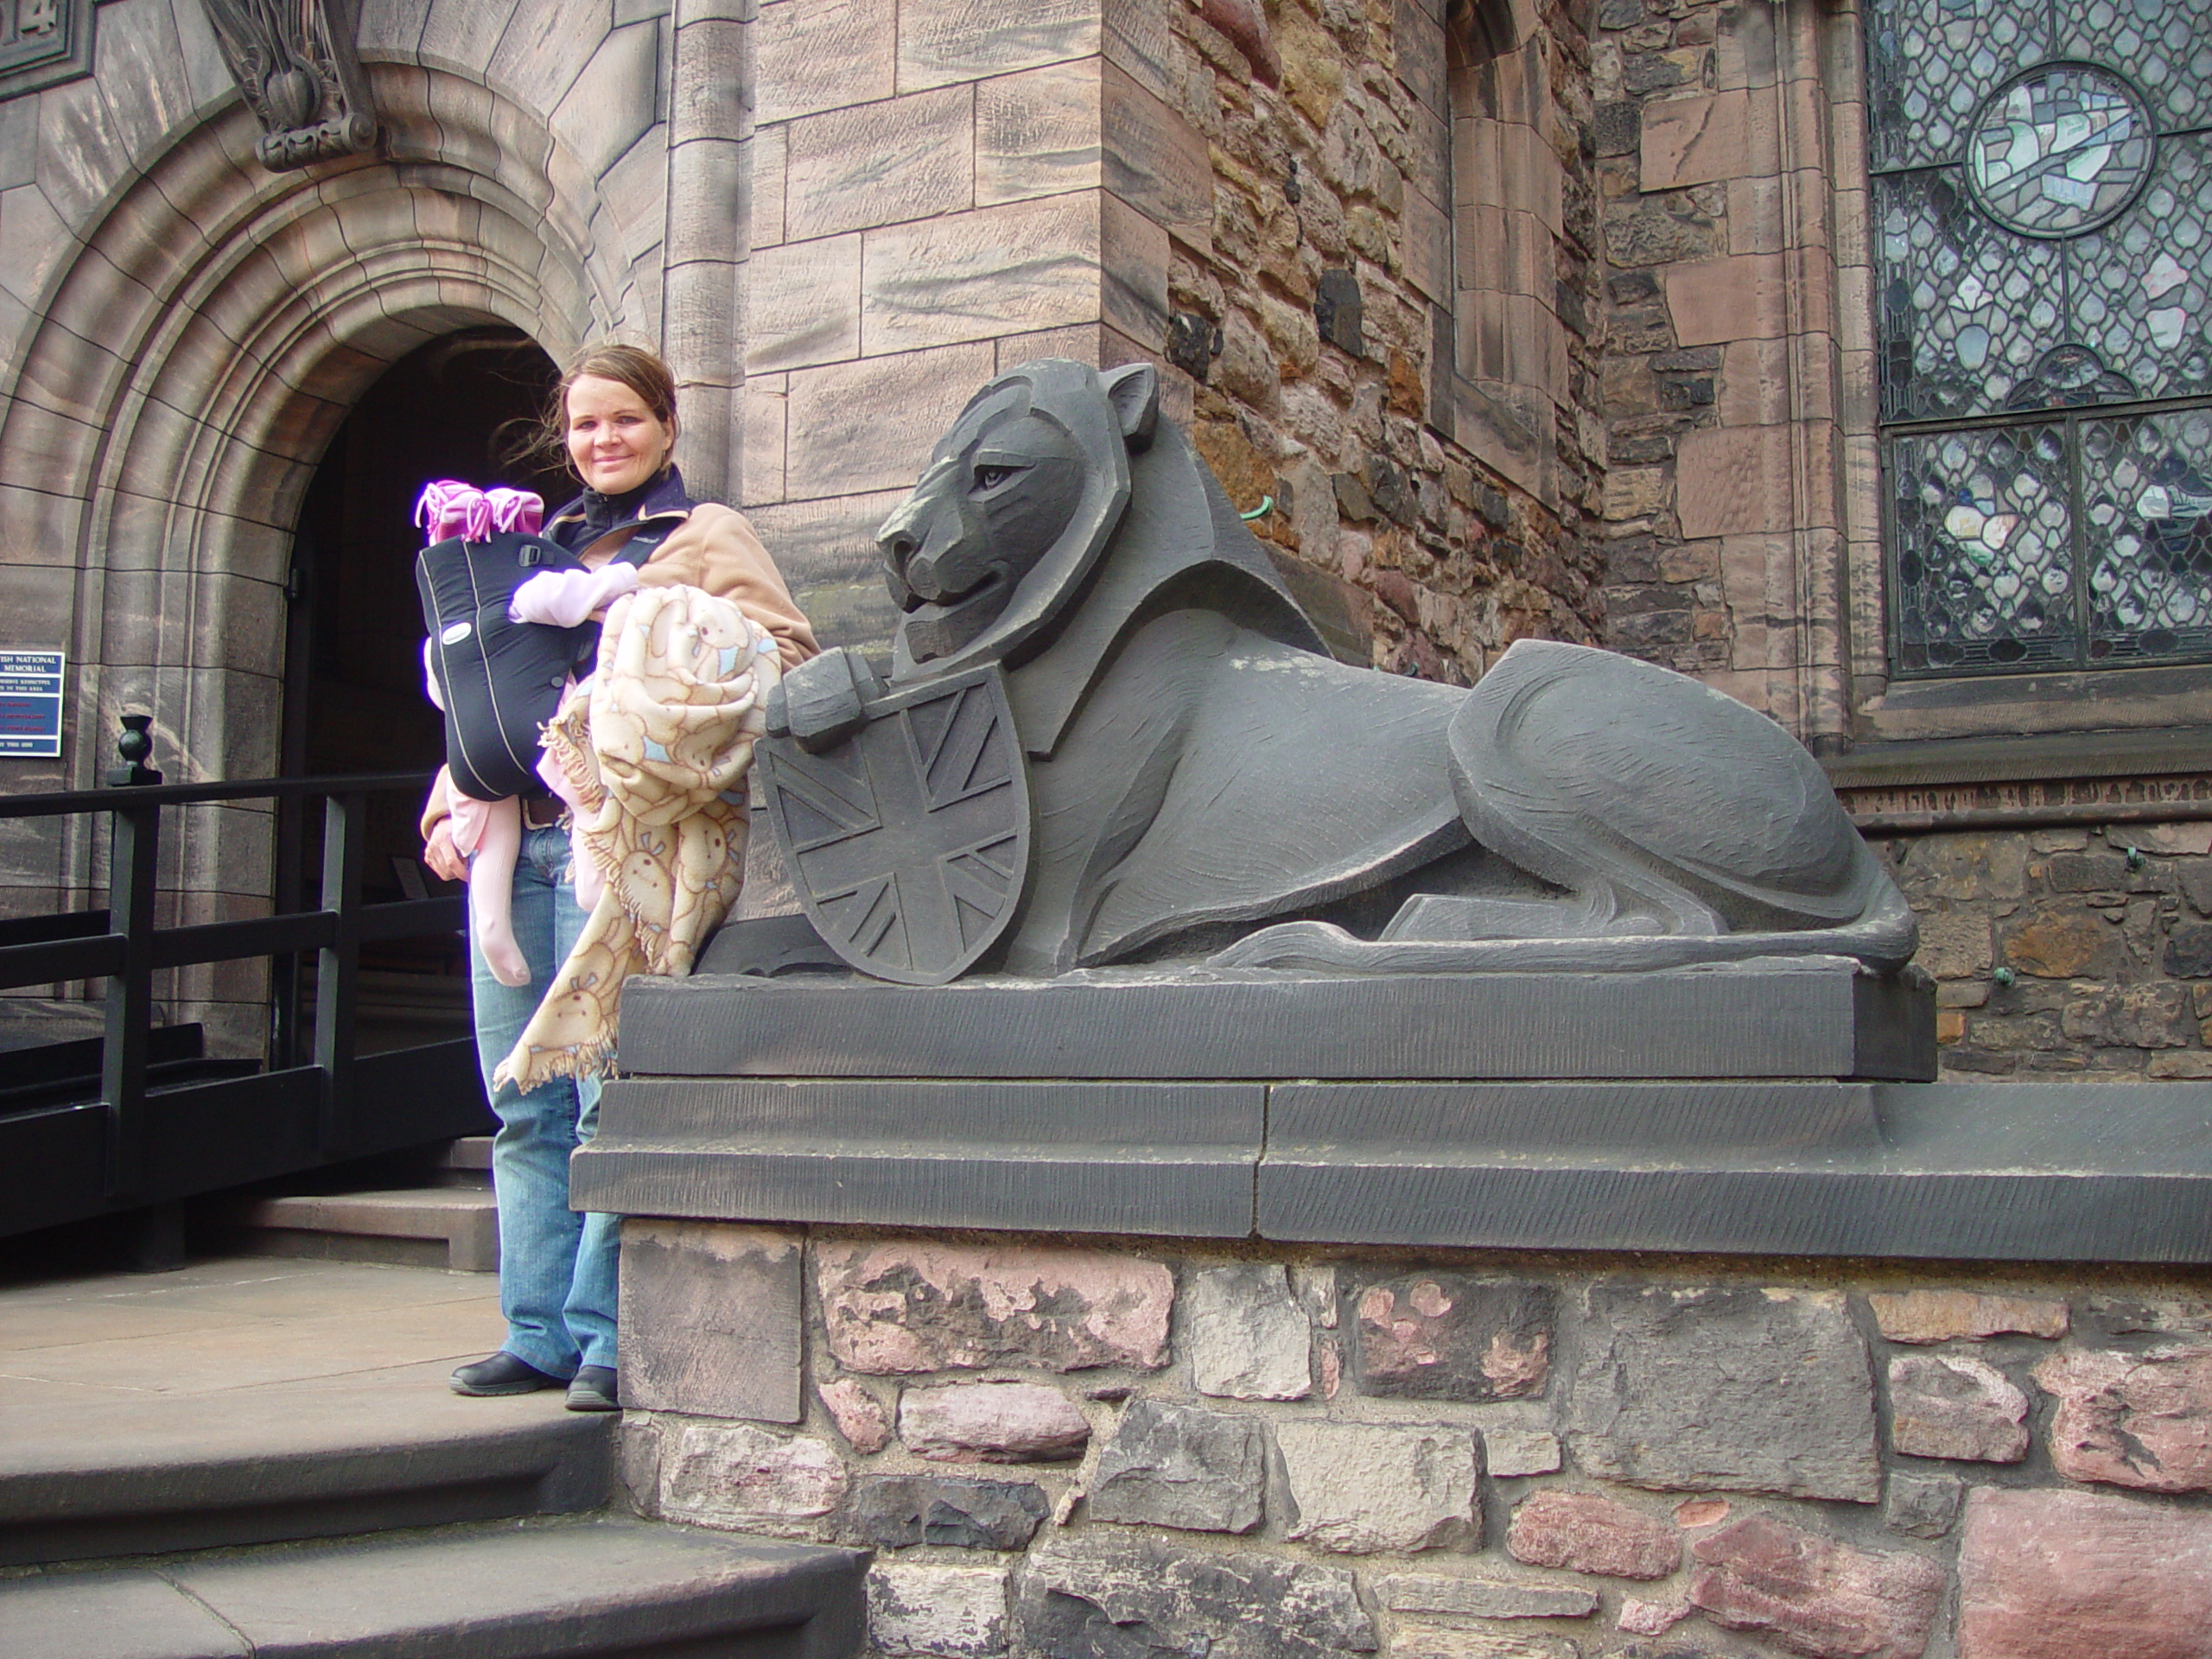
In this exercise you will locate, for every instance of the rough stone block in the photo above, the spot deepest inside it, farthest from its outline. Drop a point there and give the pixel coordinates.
(937, 1612)
(2133, 1419)
(992, 1422)
(823, 56)
(1038, 133)
(1740, 296)
(895, 1511)
(1364, 1487)
(944, 41)
(869, 425)
(1694, 141)
(1450, 1336)
(1733, 1390)
(803, 304)
(2065, 942)
(710, 1319)
(1014, 269)
(2082, 1575)
(1339, 312)
(1155, 161)
(1182, 1467)
(1084, 1599)
(1922, 1506)
(1816, 1597)
(1510, 1450)
(1590, 1532)
(860, 1416)
(1955, 1406)
(911, 1307)
(735, 1476)
(883, 163)
(1484, 1597)
(1247, 1336)
(1733, 481)
(1924, 1316)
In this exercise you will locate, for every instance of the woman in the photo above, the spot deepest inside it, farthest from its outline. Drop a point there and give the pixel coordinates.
(614, 419)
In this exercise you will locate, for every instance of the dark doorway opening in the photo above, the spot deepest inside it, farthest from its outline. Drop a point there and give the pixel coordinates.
(458, 407)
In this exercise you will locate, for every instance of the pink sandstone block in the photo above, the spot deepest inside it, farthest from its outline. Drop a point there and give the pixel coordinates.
(2083, 1575)
(906, 1307)
(1816, 1597)
(1589, 1532)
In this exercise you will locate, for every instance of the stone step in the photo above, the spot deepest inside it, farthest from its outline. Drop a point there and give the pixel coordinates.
(602, 1586)
(82, 1482)
(452, 1227)
(467, 1164)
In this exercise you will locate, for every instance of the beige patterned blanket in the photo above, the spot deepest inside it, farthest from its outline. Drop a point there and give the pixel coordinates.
(657, 745)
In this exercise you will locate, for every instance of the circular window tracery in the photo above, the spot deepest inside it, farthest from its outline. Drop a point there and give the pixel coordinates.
(2060, 150)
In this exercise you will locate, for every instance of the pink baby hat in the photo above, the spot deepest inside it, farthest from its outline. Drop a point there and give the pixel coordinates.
(450, 508)
(516, 510)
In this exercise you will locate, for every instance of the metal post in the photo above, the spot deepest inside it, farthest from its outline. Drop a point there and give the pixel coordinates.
(134, 851)
(344, 824)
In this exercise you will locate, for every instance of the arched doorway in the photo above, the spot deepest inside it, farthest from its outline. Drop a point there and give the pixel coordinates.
(457, 407)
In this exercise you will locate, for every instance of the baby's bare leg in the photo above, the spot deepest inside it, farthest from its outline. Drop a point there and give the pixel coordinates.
(491, 887)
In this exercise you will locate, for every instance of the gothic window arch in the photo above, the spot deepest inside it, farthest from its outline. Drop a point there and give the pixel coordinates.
(2042, 175)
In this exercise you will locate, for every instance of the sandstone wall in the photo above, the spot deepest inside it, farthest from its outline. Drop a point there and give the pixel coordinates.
(2071, 951)
(1738, 362)
(1352, 363)
(1071, 1451)
(1260, 200)
(182, 333)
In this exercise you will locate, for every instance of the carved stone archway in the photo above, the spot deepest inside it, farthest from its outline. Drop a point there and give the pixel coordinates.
(186, 369)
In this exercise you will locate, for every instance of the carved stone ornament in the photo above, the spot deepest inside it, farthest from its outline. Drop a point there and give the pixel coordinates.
(1209, 786)
(43, 43)
(297, 65)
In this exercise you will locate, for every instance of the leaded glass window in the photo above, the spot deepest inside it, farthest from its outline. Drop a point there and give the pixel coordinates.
(2043, 204)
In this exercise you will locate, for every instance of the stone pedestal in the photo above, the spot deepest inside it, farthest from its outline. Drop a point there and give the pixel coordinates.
(1766, 1108)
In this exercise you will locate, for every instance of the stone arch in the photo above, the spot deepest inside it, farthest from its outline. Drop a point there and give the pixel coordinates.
(190, 360)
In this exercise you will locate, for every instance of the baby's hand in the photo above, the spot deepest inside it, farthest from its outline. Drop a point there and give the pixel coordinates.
(564, 598)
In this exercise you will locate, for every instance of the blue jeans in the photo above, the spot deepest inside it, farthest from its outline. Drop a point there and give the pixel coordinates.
(556, 1267)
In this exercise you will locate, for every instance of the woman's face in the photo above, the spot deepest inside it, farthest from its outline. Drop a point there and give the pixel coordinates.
(616, 442)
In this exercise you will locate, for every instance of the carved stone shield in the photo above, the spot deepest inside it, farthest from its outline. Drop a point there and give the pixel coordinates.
(909, 841)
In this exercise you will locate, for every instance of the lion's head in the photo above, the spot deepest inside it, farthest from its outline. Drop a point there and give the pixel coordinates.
(1020, 497)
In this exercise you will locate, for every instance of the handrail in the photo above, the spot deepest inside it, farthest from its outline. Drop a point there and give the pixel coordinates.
(62, 801)
(127, 948)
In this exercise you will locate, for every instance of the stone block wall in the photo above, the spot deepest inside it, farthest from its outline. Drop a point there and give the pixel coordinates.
(936, 196)
(1737, 363)
(2078, 952)
(1167, 1447)
(1330, 329)
(1261, 201)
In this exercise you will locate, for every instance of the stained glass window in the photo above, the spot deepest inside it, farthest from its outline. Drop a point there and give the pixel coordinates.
(2043, 204)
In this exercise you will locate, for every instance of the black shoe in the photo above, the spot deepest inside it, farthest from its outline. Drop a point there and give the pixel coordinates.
(502, 1374)
(593, 1389)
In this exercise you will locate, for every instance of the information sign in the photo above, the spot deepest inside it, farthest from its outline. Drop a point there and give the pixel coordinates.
(30, 703)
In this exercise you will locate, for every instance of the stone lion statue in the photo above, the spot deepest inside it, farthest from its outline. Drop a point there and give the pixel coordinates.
(1208, 784)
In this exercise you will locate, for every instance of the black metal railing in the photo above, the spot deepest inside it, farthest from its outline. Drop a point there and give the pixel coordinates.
(156, 1145)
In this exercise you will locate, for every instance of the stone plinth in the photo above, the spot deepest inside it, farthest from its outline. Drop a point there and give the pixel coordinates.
(1753, 1109)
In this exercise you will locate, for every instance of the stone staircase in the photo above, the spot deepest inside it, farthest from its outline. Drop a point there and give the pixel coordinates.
(449, 1223)
(362, 1517)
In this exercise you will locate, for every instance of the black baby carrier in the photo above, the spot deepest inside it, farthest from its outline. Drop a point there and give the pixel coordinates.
(501, 680)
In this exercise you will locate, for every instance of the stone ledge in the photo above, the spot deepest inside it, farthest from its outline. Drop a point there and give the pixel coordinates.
(1814, 1017)
(1995, 1172)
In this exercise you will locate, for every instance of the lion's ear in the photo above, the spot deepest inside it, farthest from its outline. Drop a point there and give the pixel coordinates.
(1134, 390)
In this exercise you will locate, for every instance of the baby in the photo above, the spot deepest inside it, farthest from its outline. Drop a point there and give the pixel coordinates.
(488, 834)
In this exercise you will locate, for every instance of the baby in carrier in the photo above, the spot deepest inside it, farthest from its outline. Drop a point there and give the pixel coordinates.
(484, 665)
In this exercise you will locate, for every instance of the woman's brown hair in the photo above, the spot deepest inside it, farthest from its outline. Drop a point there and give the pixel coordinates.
(640, 370)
